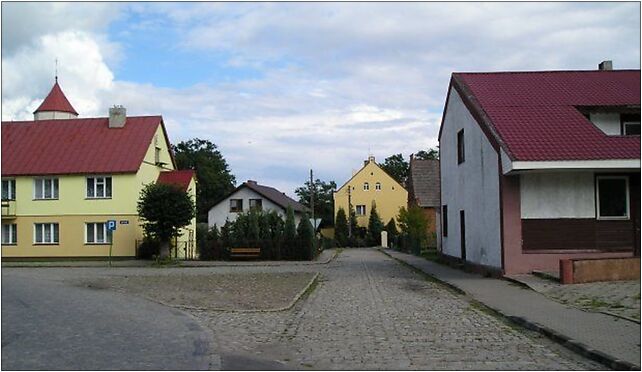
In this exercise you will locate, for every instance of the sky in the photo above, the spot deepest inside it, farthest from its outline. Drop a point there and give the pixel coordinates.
(282, 88)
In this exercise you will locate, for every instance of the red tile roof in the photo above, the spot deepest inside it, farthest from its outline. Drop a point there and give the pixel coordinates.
(56, 101)
(535, 114)
(75, 146)
(181, 178)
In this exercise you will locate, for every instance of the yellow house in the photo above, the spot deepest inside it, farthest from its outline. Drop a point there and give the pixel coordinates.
(371, 184)
(64, 178)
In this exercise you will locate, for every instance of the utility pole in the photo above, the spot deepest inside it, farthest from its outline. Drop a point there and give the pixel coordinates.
(312, 202)
(349, 210)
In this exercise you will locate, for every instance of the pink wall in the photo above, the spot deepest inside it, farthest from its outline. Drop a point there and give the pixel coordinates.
(517, 262)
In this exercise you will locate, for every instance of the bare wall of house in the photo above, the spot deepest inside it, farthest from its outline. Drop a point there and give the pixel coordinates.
(472, 186)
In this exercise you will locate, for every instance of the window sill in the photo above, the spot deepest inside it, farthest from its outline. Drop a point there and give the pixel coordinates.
(574, 251)
(46, 243)
(45, 199)
(9, 244)
(107, 243)
(97, 198)
(627, 218)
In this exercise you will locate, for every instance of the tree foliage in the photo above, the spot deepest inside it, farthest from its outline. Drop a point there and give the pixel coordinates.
(305, 236)
(426, 155)
(212, 172)
(323, 199)
(341, 228)
(396, 167)
(289, 229)
(413, 225)
(164, 210)
(375, 226)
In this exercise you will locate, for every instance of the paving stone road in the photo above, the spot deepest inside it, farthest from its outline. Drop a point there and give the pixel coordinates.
(369, 312)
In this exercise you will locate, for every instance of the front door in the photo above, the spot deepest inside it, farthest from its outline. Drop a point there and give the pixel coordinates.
(462, 229)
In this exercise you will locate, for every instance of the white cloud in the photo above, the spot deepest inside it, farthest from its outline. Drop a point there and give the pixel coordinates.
(337, 80)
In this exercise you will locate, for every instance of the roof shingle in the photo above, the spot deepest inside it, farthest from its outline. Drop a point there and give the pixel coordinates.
(424, 182)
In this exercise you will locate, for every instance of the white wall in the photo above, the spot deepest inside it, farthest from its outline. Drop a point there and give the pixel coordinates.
(608, 122)
(557, 195)
(472, 186)
(221, 211)
(51, 115)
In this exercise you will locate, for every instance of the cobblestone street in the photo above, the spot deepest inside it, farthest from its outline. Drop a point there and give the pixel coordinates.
(369, 312)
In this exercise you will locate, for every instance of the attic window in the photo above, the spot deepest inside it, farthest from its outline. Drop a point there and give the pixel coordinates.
(460, 147)
(378, 186)
(631, 124)
(366, 186)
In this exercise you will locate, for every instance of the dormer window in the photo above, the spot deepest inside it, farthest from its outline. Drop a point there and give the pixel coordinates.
(631, 124)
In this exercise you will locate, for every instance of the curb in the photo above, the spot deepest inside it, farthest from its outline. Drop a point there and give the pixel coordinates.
(573, 345)
(296, 299)
(222, 264)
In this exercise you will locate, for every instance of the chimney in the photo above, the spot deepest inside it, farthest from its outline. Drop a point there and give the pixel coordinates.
(605, 66)
(117, 117)
(251, 182)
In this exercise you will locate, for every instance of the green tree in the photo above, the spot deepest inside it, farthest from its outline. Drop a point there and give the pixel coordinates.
(341, 228)
(413, 225)
(396, 167)
(323, 199)
(391, 228)
(226, 234)
(305, 237)
(212, 172)
(375, 226)
(164, 210)
(426, 155)
(289, 231)
(253, 225)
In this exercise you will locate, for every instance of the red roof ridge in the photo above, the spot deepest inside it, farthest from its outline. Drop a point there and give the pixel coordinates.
(56, 101)
(77, 119)
(540, 72)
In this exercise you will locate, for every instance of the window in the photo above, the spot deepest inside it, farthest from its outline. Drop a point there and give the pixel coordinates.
(366, 186)
(612, 197)
(8, 189)
(97, 233)
(378, 186)
(46, 188)
(444, 220)
(361, 210)
(9, 233)
(631, 124)
(460, 147)
(98, 187)
(45, 233)
(236, 205)
(256, 204)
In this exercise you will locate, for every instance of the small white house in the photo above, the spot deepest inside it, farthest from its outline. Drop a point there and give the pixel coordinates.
(250, 195)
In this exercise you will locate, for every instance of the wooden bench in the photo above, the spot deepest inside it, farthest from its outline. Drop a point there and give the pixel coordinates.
(245, 252)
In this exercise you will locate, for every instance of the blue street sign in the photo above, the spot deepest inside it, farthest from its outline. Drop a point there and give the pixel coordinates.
(111, 225)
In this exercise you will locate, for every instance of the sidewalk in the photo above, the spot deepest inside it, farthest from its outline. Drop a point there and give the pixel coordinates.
(610, 340)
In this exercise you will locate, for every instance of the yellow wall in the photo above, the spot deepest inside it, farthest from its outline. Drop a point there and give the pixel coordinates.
(71, 237)
(72, 209)
(389, 199)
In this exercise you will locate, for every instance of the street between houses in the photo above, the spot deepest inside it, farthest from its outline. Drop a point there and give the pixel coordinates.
(366, 312)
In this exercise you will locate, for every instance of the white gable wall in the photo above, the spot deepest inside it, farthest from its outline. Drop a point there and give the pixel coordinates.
(219, 213)
(472, 186)
(608, 122)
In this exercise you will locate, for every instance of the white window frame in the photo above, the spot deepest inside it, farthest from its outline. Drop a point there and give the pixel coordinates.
(102, 180)
(597, 198)
(378, 186)
(55, 188)
(52, 226)
(13, 233)
(358, 207)
(107, 236)
(366, 186)
(11, 188)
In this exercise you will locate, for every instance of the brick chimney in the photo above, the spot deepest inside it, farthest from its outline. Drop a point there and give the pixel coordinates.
(117, 117)
(251, 182)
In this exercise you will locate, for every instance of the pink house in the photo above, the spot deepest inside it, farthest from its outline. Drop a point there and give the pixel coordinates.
(540, 166)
